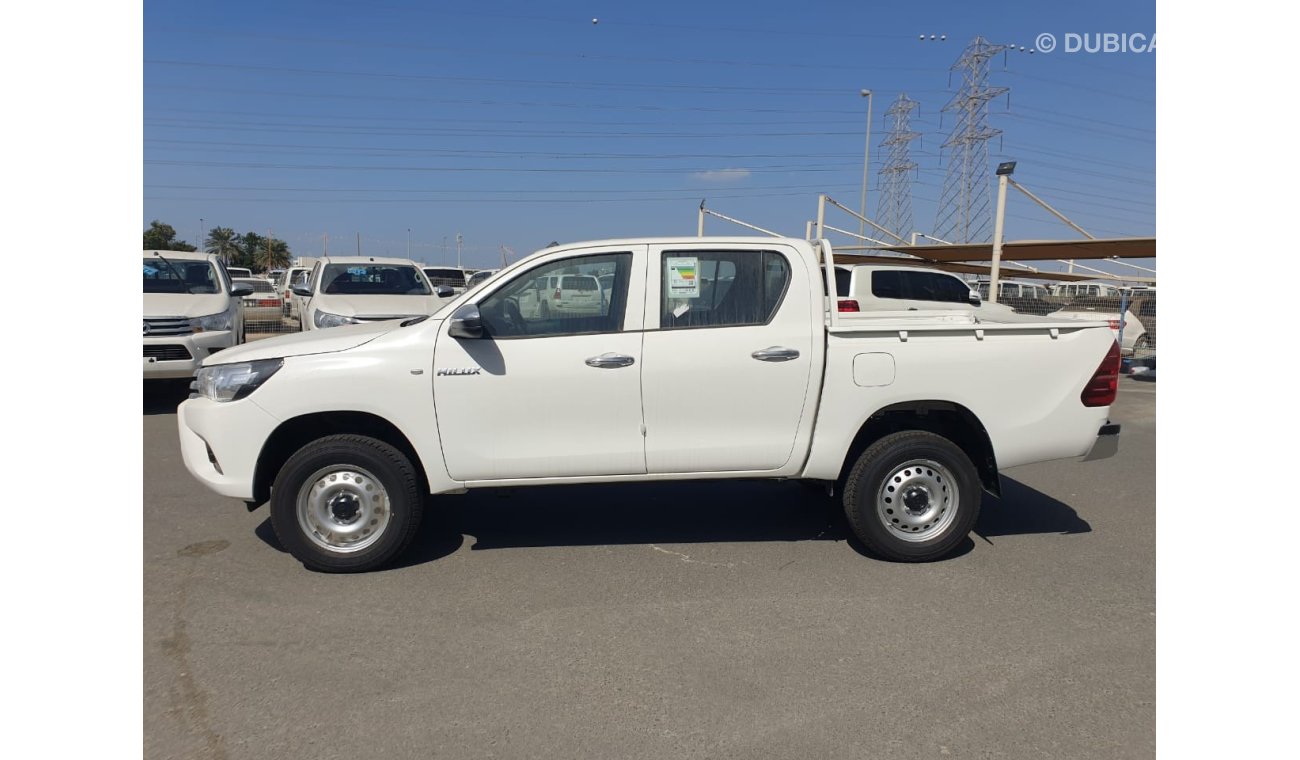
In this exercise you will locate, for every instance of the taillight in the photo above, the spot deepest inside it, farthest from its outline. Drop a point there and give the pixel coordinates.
(1104, 385)
(1114, 323)
(557, 292)
(269, 302)
(848, 304)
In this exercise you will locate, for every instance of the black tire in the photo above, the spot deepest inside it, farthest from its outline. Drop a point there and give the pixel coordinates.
(879, 464)
(389, 466)
(1143, 348)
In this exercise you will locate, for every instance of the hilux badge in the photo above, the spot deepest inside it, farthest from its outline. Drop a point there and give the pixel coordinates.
(458, 371)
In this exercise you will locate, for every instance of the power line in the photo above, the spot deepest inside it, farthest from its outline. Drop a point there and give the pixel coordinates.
(620, 86)
(468, 153)
(792, 169)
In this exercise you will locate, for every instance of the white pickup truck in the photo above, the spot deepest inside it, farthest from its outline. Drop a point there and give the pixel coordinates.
(716, 358)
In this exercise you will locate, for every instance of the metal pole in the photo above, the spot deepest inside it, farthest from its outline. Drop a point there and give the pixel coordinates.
(807, 230)
(821, 215)
(866, 163)
(201, 230)
(408, 242)
(358, 243)
(997, 237)
(459, 239)
(699, 230)
(1123, 318)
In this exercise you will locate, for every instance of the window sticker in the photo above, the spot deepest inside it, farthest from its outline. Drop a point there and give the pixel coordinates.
(683, 277)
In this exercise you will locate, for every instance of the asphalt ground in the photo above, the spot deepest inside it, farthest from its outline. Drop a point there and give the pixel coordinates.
(720, 619)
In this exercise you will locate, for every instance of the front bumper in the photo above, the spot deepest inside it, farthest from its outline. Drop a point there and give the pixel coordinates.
(180, 356)
(1106, 445)
(220, 442)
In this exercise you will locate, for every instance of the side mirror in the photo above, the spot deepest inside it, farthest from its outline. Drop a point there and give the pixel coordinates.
(301, 290)
(975, 298)
(443, 291)
(466, 322)
(239, 290)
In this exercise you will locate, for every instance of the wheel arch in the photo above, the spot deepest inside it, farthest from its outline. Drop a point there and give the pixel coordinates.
(945, 418)
(296, 432)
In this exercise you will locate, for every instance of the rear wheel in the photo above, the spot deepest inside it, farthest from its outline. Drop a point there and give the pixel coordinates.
(346, 504)
(1144, 348)
(912, 496)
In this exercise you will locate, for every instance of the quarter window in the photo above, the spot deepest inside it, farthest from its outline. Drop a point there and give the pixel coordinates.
(720, 288)
(564, 297)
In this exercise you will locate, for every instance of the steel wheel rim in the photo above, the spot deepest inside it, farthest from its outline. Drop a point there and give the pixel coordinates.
(343, 508)
(918, 500)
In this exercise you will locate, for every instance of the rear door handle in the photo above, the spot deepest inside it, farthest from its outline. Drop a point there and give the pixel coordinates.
(775, 354)
(611, 361)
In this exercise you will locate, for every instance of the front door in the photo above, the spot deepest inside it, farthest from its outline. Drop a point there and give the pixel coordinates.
(547, 392)
(728, 356)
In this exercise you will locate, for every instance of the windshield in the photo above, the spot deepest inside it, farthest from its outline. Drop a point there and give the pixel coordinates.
(373, 280)
(197, 276)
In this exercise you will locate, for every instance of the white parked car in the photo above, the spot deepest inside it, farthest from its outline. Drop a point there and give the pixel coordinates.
(564, 294)
(345, 290)
(295, 275)
(718, 358)
(1107, 309)
(1069, 291)
(191, 311)
(479, 277)
(872, 287)
(263, 305)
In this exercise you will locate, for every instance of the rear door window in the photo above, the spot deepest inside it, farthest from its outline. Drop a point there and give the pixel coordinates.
(720, 288)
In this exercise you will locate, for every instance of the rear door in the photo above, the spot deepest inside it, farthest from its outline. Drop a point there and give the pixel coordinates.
(728, 355)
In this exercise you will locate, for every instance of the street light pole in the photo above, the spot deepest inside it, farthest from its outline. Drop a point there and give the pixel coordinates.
(866, 164)
(408, 242)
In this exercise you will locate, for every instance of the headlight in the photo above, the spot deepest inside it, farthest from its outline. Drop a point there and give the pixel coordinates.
(214, 322)
(231, 382)
(325, 319)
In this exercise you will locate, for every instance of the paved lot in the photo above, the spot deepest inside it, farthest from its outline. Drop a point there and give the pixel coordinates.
(702, 620)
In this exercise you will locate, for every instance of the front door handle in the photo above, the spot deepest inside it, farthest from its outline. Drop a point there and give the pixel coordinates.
(611, 361)
(775, 354)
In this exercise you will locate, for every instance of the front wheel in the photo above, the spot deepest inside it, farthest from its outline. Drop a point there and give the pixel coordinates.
(912, 496)
(346, 504)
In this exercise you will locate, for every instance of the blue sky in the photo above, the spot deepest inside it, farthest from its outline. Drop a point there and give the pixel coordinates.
(517, 123)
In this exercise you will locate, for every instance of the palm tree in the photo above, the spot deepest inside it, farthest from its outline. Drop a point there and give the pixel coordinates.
(272, 254)
(222, 242)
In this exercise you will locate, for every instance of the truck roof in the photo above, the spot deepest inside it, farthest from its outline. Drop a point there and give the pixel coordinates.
(367, 260)
(712, 240)
(182, 255)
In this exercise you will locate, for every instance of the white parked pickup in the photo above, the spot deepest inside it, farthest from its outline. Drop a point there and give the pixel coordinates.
(347, 290)
(716, 358)
(191, 311)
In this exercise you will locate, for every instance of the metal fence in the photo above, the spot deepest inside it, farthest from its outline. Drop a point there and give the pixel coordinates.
(1130, 312)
